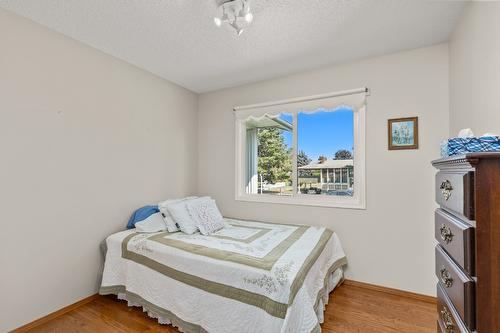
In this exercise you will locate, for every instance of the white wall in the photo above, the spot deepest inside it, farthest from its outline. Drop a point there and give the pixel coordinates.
(391, 243)
(84, 139)
(475, 70)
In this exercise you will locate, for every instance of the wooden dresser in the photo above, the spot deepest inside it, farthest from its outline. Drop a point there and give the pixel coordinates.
(467, 228)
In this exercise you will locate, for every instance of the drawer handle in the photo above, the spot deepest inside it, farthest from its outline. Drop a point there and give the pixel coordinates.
(446, 277)
(446, 234)
(447, 320)
(446, 189)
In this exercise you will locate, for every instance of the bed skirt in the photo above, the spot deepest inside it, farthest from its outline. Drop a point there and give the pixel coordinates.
(334, 278)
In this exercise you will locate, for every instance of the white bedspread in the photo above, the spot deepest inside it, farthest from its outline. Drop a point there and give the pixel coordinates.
(249, 277)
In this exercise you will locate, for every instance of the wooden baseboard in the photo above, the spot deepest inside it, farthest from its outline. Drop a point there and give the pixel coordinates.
(363, 285)
(392, 291)
(55, 314)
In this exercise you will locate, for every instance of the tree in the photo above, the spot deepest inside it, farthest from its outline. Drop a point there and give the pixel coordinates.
(343, 155)
(275, 160)
(302, 159)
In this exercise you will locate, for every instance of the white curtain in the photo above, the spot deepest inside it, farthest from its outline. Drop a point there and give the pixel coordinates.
(303, 104)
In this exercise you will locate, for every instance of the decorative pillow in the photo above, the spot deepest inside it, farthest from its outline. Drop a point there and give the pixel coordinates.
(163, 207)
(206, 215)
(181, 217)
(141, 214)
(153, 223)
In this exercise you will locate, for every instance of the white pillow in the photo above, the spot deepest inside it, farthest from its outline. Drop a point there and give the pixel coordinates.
(206, 215)
(181, 217)
(162, 206)
(153, 223)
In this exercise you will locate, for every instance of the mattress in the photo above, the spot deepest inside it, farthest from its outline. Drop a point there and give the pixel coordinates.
(248, 277)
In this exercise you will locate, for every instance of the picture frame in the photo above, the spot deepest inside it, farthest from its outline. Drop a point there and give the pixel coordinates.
(402, 133)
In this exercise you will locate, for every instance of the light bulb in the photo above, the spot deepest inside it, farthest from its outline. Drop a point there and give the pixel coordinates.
(249, 17)
(217, 21)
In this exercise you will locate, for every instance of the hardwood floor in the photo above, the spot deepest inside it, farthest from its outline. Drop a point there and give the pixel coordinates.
(352, 309)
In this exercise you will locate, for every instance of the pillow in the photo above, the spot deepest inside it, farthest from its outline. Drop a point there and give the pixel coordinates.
(153, 223)
(163, 207)
(206, 215)
(180, 215)
(141, 214)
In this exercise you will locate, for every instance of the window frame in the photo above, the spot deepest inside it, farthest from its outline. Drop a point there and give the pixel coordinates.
(357, 201)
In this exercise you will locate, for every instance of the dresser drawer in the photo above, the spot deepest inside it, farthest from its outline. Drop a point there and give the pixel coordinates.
(457, 238)
(448, 317)
(455, 191)
(459, 287)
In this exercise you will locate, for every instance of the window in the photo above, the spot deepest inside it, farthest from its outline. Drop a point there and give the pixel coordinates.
(306, 151)
(325, 143)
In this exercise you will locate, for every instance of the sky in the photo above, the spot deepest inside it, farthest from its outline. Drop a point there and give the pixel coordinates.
(323, 133)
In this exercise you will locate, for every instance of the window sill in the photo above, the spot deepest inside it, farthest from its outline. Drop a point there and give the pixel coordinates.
(306, 200)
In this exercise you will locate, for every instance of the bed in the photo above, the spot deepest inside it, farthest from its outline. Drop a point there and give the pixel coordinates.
(248, 277)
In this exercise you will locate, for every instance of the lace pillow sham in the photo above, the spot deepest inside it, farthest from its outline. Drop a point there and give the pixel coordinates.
(180, 215)
(206, 215)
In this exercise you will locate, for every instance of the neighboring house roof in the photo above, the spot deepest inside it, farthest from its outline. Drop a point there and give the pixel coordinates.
(328, 164)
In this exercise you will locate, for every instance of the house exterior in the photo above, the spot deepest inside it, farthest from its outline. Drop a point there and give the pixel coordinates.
(328, 175)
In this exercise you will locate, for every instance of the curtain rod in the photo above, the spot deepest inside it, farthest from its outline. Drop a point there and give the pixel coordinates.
(304, 99)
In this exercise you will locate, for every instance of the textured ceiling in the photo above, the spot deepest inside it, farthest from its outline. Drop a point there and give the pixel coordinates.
(177, 40)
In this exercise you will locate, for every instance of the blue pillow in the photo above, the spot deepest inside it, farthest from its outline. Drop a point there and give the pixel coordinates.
(141, 214)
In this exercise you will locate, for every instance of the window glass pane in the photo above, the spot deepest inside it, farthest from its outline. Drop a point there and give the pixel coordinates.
(330, 175)
(269, 155)
(325, 159)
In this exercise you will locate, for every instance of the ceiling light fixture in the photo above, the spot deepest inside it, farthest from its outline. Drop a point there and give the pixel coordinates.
(236, 13)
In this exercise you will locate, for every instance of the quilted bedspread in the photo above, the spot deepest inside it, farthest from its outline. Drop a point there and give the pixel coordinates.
(248, 277)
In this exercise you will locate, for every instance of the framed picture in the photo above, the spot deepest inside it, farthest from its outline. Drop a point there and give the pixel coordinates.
(403, 133)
